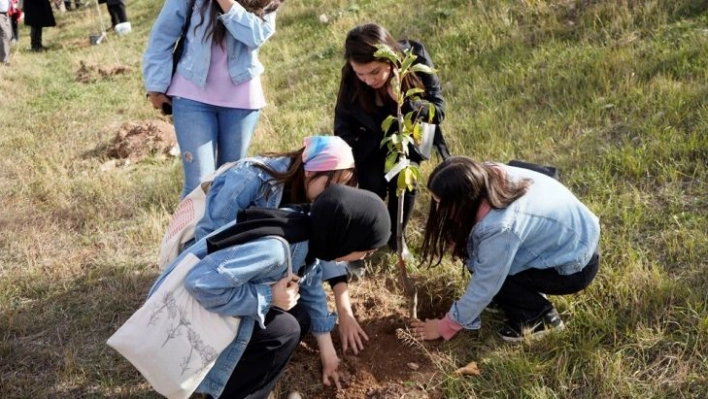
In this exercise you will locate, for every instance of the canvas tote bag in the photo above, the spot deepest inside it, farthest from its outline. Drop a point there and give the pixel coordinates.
(173, 340)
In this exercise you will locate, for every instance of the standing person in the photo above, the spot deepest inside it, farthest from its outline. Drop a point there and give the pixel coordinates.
(237, 264)
(366, 98)
(5, 31)
(116, 9)
(216, 92)
(521, 233)
(15, 15)
(38, 15)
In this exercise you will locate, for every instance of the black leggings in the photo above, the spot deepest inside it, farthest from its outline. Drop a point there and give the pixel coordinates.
(267, 354)
(520, 296)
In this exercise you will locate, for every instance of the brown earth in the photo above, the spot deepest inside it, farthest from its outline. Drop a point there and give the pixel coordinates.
(135, 141)
(392, 365)
(88, 73)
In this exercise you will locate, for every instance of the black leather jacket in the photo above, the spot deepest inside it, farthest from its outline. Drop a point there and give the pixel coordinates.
(362, 130)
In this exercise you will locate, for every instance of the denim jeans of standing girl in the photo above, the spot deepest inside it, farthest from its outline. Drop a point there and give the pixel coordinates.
(209, 136)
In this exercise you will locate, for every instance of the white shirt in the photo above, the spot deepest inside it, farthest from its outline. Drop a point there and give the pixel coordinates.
(4, 5)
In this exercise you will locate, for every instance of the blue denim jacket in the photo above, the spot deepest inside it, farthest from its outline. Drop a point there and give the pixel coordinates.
(236, 281)
(547, 227)
(243, 186)
(246, 32)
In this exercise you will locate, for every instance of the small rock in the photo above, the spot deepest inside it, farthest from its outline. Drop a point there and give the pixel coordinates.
(323, 18)
(413, 366)
(294, 395)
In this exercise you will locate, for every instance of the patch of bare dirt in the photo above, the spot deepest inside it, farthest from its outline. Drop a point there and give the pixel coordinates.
(135, 141)
(390, 366)
(88, 73)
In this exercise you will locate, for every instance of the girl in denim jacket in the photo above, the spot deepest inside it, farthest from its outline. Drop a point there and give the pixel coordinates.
(521, 233)
(215, 92)
(237, 264)
(276, 179)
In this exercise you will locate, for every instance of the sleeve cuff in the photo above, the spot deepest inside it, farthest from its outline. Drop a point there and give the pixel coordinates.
(448, 328)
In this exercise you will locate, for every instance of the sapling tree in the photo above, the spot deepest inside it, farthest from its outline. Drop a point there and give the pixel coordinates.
(409, 132)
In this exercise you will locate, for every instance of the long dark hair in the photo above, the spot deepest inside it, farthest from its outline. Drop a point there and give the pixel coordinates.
(360, 46)
(293, 179)
(461, 184)
(216, 30)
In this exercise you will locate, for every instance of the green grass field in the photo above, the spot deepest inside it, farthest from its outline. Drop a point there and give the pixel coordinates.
(612, 92)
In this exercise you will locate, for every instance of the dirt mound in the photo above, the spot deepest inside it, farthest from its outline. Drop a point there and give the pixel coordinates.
(90, 73)
(136, 141)
(391, 366)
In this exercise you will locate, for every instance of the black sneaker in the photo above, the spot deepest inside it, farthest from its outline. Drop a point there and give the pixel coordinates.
(516, 332)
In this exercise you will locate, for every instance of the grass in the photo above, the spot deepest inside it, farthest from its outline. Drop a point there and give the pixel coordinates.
(611, 92)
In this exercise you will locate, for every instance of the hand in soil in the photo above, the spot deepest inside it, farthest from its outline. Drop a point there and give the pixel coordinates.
(425, 330)
(351, 334)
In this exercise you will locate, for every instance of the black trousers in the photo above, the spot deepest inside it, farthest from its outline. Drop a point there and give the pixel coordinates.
(117, 12)
(267, 354)
(371, 178)
(520, 296)
(36, 37)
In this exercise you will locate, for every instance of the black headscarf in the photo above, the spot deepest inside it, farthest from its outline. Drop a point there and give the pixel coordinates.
(347, 219)
(342, 220)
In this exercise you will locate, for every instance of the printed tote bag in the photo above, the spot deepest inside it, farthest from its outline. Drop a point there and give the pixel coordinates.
(172, 340)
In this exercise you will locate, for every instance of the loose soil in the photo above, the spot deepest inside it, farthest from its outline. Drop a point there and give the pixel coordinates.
(135, 141)
(391, 365)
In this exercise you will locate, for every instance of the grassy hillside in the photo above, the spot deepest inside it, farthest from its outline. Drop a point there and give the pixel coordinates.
(612, 92)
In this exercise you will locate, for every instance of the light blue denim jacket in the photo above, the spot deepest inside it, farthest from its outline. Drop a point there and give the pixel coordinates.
(243, 186)
(246, 32)
(236, 281)
(547, 227)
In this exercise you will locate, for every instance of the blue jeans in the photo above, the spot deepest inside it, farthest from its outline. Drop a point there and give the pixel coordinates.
(209, 136)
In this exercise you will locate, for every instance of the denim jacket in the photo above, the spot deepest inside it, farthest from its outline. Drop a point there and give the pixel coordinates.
(547, 227)
(236, 281)
(243, 186)
(246, 32)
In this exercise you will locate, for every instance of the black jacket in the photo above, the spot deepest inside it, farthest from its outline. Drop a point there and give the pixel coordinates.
(362, 130)
(38, 13)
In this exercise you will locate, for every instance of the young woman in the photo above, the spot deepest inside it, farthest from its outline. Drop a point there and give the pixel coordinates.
(277, 179)
(238, 261)
(521, 233)
(366, 98)
(215, 92)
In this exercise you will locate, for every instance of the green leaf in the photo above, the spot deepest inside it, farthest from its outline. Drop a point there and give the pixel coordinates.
(385, 141)
(417, 133)
(390, 161)
(422, 68)
(407, 61)
(384, 51)
(431, 112)
(415, 90)
(386, 124)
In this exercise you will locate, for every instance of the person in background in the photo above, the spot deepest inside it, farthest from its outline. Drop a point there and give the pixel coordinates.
(238, 262)
(216, 92)
(38, 15)
(15, 16)
(5, 32)
(521, 233)
(366, 98)
(116, 9)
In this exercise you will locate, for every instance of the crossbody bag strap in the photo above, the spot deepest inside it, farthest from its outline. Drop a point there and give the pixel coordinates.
(188, 19)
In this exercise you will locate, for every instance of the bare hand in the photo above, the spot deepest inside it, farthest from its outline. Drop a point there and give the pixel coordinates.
(285, 293)
(157, 99)
(425, 330)
(351, 334)
(330, 364)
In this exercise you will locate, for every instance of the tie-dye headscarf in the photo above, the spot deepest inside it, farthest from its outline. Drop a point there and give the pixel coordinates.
(325, 153)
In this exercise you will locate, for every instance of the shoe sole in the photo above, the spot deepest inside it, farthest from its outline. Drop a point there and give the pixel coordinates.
(533, 336)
